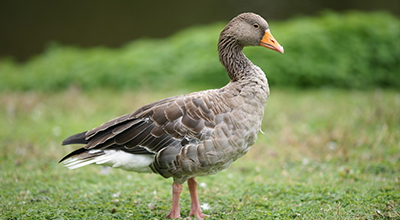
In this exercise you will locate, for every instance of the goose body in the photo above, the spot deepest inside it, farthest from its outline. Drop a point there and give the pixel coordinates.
(191, 135)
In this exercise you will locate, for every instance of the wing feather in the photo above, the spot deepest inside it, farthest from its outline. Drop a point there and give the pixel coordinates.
(156, 126)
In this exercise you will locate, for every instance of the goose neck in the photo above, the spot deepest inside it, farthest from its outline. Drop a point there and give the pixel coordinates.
(232, 58)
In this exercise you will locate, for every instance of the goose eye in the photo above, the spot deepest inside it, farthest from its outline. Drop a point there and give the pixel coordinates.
(256, 26)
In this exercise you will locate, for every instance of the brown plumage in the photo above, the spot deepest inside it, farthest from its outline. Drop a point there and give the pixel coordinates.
(191, 135)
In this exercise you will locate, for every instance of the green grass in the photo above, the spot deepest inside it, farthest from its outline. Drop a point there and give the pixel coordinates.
(325, 154)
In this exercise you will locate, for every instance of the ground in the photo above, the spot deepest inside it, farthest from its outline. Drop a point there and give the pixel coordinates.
(322, 154)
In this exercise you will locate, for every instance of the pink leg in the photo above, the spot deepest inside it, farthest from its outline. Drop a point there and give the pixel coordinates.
(195, 207)
(176, 193)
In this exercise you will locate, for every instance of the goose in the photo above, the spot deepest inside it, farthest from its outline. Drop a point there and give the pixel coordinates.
(191, 135)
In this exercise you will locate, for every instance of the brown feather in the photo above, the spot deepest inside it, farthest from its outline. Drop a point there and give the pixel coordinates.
(173, 111)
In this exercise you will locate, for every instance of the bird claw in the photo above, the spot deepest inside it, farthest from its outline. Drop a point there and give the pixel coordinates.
(198, 214)
(173, 215)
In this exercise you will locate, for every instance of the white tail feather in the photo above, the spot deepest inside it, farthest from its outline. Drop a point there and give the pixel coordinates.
(114, 158)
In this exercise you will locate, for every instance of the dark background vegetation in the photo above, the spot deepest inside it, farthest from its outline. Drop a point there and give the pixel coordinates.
(53, 45)
(27, 27)
(351, 50)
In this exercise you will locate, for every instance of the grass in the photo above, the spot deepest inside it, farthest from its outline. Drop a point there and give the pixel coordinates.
(324, 154)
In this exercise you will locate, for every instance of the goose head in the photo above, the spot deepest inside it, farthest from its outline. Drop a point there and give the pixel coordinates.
(249, 29)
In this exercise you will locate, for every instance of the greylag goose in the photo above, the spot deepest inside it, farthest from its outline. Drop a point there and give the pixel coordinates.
(190, 135)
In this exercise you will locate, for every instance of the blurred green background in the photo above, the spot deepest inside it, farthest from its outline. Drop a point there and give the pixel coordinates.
(351, 50)
(48, 46)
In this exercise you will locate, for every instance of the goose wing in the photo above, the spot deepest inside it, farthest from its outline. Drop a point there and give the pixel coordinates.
(174, 121)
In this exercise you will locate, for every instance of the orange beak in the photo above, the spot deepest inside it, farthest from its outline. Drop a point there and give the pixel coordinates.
(269, 41)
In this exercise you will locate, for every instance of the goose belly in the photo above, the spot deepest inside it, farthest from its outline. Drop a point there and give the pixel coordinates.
(212, 156)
